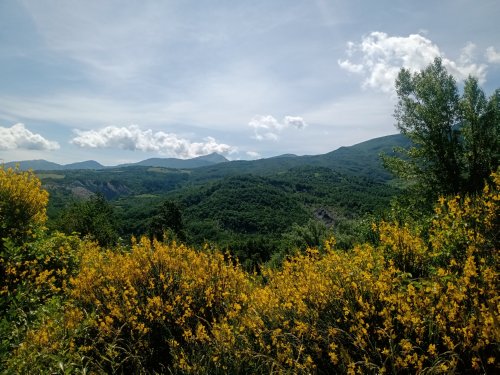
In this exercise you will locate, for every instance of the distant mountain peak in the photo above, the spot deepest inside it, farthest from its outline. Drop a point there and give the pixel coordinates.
(199, 161)
(362, 157)
(214, 157)
(88, 164)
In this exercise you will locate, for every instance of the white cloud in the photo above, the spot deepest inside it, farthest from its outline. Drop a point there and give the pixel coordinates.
(382, 56)
(492, 55)
(253, 154)
(18, 137)
(267, 128)
(350, 67)
(133, 138)
(468, 54)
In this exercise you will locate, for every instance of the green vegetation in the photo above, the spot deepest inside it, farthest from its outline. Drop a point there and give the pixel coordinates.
(456, 140)
(247, 214)
(408, 304)
(246, 207)
(167, 220)
(93, 217)
(288, 266)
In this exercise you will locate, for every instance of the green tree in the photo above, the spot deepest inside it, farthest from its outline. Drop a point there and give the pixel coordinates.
(94, 218)
(311, 235)
(455, 138)
(168, 218)
(481, 134)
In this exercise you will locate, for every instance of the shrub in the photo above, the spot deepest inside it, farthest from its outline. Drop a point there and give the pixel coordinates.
(410, 304)
(22, 205)
(35, 267)
(151, 307)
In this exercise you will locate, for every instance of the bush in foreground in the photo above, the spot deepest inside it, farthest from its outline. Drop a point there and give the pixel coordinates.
(411, 304)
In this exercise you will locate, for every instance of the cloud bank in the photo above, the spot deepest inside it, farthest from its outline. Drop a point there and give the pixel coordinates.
(379, 57)
(267, 128)
(133, 138)
(18, 137)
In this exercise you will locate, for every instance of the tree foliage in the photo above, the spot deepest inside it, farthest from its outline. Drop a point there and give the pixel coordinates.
(455, 137)
(94, 218)
(481, 134)
(168, 218)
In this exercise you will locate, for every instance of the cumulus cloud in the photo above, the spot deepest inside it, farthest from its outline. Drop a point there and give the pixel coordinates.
(267, 128)
(133, 138)
(492, 55)
(18, 137)
(379, 57)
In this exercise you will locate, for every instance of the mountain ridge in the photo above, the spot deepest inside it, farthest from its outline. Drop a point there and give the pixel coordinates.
(44, 165)
(361, 158)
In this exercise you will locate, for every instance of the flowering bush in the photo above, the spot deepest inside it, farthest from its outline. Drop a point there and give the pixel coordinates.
(22, 205)
(151, 307)
(35, 267)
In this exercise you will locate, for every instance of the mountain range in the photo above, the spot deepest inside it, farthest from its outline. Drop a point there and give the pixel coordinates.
(361, 159)
(44, 165)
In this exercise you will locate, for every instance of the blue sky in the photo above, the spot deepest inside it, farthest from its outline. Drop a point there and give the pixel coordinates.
(121, 81)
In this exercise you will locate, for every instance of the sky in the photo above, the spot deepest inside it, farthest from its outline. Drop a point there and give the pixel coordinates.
(121, 81)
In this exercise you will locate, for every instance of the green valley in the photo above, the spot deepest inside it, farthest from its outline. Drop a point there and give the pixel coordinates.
(244, 206)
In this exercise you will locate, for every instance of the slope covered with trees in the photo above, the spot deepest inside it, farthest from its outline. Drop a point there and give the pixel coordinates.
(247, 207)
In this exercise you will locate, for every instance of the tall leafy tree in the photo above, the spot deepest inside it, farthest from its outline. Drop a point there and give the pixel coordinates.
(455, 138)
(481, 134)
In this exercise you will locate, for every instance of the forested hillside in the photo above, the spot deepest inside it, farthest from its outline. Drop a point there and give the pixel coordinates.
(247, 207)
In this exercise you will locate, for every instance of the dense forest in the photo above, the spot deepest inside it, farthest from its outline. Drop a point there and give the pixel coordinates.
(319, 264)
